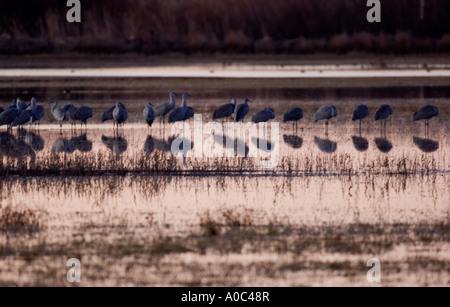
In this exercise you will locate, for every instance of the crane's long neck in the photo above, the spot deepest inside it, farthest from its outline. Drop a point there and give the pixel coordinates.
(172, 99)
(184, 103)
(54, 105)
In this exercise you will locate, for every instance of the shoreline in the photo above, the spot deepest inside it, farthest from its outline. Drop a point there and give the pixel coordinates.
(87, 60)
(236, 72)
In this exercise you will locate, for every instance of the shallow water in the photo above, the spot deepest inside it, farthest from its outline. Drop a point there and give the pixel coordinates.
(344, 174)
(130, 186)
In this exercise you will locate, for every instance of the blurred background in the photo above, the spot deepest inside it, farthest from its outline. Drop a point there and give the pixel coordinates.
(225, 27)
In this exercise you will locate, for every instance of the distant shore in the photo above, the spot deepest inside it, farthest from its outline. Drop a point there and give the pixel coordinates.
(87, 60)
(274, 71)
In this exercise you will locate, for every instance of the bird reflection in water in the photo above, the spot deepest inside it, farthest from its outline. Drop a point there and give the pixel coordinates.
(116, 144)
(325, 145)
(180, 145)
(360, 143)
(149, 145)
(234, 146)
(34, 140)
(262, 144)
(63, 145)
(293, 141)
(161, 144)
(383, 145)
(426, 145)
(80, 143)
(14, 148)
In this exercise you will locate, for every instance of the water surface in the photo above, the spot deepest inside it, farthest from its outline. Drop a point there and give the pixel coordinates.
(136, 215)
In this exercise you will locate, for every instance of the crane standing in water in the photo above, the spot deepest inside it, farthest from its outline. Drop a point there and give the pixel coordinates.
(161, 110)
(225, 110)
(148, 114)
(425, 113)
(242, 110)
(83, 114)
(59, 114)
(359, 113)
(179, 114)
(325, 113)
(382, 113)
(118, 113)
(293, 115)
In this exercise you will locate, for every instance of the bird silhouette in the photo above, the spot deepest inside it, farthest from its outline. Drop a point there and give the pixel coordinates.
(242, 110)
(118, 113)
(82, 114)
(293, 115)
(161, 110)
(59, 114)
(148, 114)
(8, 116)
(325, 112)
(37, 112)
(359, 113)
(225, 110)
(425, 113)
(179, 114)
(22, 118)
(382, 113)
(263, 115)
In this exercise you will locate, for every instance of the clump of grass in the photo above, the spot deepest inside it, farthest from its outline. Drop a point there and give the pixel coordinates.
(19, 220)
(165, 245)
(225, 218)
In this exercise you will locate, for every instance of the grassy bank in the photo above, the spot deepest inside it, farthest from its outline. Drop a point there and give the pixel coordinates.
(230, 26)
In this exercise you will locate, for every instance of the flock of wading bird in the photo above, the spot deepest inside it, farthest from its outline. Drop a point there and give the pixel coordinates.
(21, 113)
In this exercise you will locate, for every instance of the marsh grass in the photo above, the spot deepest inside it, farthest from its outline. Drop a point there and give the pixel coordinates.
(330, 249)
(241, 227)
(19, 219)
(160, 163)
